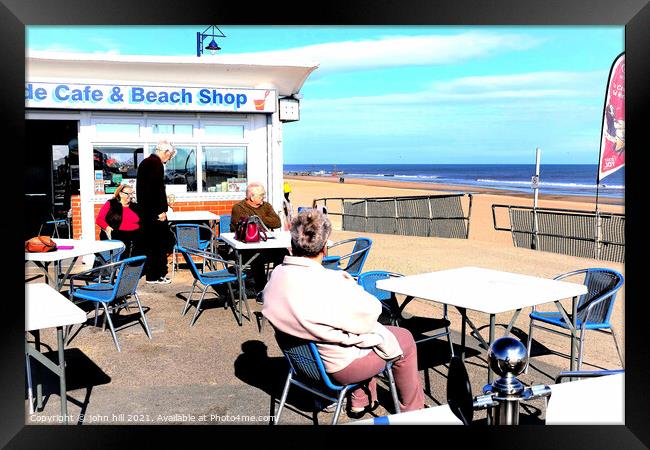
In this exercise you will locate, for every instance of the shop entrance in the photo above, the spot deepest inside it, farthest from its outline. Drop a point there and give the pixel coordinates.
(51, 171)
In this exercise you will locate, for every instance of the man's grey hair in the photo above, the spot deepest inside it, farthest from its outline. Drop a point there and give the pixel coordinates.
(309, 232)
(253, 185)
(165, 146)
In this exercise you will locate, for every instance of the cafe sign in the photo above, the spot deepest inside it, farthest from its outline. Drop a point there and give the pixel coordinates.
(148, 98)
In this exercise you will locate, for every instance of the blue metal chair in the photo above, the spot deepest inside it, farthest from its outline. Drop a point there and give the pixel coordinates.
(114, 293)
(355, 259)
(224, 224)
(102, 259)
(594, 308)
(55, 224)
(208, 279)
(392, 312)
(188, 235)
(306, 370)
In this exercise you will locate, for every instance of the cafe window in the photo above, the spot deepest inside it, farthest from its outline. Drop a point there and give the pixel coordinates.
(114, 165)
(180, 171)
(224, 169)
(225, 132)
(173, 128)
(107, 129)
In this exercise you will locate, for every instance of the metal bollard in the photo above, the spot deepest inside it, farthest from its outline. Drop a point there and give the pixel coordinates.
(507, 358)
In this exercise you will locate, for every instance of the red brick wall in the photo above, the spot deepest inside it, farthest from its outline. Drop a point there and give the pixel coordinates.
(219, 207)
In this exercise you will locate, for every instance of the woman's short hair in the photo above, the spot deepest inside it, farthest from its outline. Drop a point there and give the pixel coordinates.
(309, 232)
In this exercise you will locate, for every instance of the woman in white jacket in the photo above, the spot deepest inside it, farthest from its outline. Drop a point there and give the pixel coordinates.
(305, 300)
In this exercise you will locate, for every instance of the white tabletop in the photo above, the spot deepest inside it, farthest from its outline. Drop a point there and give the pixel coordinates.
(483, 290)
(438, 415)
(176, 216)
(588, 401)
(280, 239)
(46, 308)
(81, 248)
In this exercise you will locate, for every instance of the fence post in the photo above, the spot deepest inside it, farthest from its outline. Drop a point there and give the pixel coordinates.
(598, 238)
(396, 216)
(430, 217)
(365, 215)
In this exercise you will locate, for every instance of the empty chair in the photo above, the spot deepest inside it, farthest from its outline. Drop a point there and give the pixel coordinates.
(306, 370)
(55, 223)
(114, 293)
(224, 224)
(392, 312)
(208, 279)
(355, 259)
(594, 308)
(188, 235)
(103, 259)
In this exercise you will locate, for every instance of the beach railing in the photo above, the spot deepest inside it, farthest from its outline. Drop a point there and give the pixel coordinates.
(427, 215)
(565, 231)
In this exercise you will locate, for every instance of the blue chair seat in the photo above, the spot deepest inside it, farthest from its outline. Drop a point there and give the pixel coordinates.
(219, 276)
(98, 292)
(555, 318)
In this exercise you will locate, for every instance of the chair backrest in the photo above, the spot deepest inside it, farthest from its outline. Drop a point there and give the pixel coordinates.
(368, 281)
(305, 361)
(390, 307)
(224, 224)
(356, 261)
(190, 262)
(601, 283)
(187, 235)
(128, 276)
(109, 256)
(459, 391)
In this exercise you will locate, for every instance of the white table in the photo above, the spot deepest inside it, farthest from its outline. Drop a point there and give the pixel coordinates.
(590, 401)
(438, 415)
(179, 216)
(276, 239)
(46, 308)
(81, 248)
(486, 291)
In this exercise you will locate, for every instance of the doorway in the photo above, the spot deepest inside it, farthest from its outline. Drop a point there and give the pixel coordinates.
(51, 171)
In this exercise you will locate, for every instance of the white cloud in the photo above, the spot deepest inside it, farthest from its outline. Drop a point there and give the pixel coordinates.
(536, 85)
(398, 51)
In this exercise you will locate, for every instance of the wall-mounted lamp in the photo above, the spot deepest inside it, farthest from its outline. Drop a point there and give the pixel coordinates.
(213, 47)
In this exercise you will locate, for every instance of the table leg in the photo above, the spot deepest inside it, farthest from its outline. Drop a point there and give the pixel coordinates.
(574, 307)
(242, 293)
(28, 369)
(62, 386)
(60, 281)
(463, 314)
(490, 340)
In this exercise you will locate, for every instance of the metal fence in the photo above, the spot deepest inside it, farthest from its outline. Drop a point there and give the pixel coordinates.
(570, 232)
(428, 215)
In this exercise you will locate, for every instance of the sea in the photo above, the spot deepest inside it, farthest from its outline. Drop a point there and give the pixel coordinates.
(554, 179)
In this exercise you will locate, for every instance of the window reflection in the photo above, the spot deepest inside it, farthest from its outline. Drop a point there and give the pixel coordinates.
(224, 169)
(181, 169)
(114, 165)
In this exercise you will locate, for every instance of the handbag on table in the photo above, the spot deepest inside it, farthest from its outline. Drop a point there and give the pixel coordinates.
(250, 229)
(40, 244)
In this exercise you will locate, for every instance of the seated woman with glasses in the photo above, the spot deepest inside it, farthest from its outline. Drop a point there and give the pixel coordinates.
(118, 218)
(306, 300)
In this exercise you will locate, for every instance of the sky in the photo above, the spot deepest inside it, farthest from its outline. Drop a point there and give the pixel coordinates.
(410, 94)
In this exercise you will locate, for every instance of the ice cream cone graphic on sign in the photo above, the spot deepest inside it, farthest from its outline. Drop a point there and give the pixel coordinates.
(259, 104)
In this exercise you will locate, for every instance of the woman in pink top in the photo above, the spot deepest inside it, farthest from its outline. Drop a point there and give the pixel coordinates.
(308, 301)
(119, 220)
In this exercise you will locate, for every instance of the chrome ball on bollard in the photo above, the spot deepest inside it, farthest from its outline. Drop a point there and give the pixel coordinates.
(507, 357)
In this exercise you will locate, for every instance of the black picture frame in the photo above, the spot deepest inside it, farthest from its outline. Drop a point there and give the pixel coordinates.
(16, 14)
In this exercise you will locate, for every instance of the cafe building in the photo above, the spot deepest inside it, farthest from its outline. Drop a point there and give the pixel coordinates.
(91, 119)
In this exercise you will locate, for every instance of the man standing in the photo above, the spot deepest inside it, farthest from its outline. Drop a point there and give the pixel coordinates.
(254, 205)
(152, 198)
